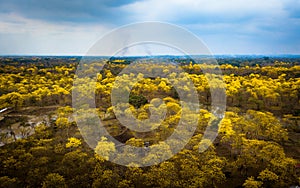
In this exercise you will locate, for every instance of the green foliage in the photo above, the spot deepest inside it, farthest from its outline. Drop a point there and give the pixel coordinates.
(137, 100)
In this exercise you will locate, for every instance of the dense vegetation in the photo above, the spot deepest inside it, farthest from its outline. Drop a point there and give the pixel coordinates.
(257, 145)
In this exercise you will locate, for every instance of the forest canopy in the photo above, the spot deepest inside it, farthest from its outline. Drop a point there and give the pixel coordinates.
(257, 145)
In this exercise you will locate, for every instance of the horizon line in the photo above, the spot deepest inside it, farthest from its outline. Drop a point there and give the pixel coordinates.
(158, 55)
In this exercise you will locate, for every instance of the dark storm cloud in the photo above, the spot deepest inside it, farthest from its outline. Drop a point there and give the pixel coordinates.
(67, 10)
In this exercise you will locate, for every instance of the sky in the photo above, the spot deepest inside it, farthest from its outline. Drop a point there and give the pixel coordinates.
(71, 27)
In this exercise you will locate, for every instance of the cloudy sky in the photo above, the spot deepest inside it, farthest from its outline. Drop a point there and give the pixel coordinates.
(71, 27)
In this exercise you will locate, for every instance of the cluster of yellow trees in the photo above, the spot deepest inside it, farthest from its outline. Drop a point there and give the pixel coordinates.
(249, 150)
(30, 86)
(274, 89)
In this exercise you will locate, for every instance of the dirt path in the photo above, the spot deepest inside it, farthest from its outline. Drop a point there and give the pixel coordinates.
(35, 110)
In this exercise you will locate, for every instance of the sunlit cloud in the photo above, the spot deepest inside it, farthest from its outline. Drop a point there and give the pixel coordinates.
(21, 35)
